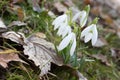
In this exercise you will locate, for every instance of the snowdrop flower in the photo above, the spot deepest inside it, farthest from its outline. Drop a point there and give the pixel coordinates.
(59, 21)
(64, 30)
(90, 33)
(83, 17)
(71, 38)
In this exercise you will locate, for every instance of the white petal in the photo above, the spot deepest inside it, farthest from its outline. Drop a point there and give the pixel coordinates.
(56, 26)
(72, 50)
(86, 30)
(61, 29)
(95, 35)
(67, 30)
(88, 37)
(59, 19)
(55, 21)
(75, 17)
(83, 23)
(64, 43)
(83, 19)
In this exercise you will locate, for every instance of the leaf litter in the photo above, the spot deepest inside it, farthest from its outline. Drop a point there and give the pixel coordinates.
(39, 50)
(9, 55)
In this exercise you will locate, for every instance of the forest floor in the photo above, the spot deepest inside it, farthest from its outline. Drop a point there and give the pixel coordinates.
(34, 18)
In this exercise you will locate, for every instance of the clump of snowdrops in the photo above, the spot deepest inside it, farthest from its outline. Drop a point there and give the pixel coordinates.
(69, 27)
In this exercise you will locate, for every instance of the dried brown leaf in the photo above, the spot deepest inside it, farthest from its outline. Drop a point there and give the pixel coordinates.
(17, 23)
(69, 3)
(102, 58)
(114, 4)
(13, 36)
(42, 53)
(7, 57)
(35, 5)
(60, 7)
(40, 35)
(39, 50)
(100, 42)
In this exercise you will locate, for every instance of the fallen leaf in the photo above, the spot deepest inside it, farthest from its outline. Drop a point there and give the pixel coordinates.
(2, 26)
(100, 42)
(13, 36)
(9, 56)
(17, 23)
(38, 49)
(102, 58)
(69, 3)
(114, 4)
(35, 5)
(40, 35)
(115, 52)
(60, 7)
(42, 53)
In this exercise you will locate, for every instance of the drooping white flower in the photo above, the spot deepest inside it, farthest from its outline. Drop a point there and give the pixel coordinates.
(70, 38)
(83, 17)
(59, 21)
(64, 30)
(90, 33)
